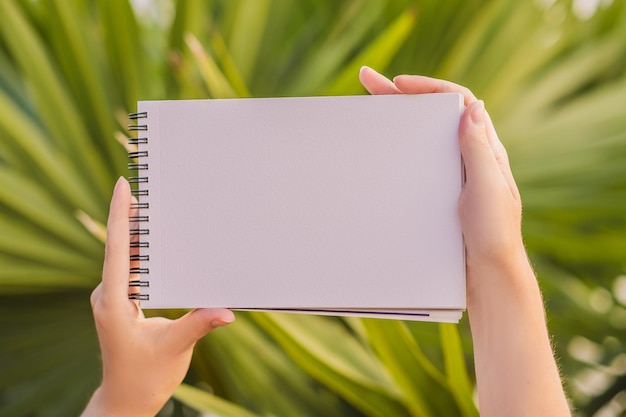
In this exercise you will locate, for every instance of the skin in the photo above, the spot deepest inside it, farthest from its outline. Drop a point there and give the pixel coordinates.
(144, 360)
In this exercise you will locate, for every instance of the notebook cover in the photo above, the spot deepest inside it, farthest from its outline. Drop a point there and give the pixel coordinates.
(304, 203)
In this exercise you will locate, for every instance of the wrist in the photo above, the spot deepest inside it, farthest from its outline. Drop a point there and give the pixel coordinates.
(511, 280)
(102, 404)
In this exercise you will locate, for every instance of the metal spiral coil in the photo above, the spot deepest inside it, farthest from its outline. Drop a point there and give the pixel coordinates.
(139, 297)
(139, 218)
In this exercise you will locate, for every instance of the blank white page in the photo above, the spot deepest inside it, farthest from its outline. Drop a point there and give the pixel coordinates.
(304, 203)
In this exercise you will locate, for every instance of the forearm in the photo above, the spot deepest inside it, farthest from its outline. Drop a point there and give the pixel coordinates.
(515, 367)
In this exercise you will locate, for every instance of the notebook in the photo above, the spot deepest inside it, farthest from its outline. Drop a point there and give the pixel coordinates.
(315, 205)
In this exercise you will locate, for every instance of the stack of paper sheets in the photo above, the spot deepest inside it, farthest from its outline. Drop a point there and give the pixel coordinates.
(320, 205)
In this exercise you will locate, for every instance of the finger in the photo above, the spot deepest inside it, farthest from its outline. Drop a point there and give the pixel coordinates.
(116, 259)
(377, 83)
(418, 84)
(192, 326)
(480, 162)
(501, 156)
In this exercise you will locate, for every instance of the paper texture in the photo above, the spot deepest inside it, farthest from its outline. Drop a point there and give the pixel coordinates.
(337, 204)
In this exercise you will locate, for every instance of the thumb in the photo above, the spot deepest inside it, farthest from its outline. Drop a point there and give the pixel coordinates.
(478, 157)
(194, 325)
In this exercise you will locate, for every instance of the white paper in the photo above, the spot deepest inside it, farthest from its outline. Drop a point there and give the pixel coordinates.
(317, 204)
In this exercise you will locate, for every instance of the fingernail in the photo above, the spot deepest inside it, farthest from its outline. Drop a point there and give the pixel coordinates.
(223, 321)
(477, 114)
(365, 68)
(120, 180)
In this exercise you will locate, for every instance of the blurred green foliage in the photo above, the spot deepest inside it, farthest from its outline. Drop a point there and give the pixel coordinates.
(553, 75)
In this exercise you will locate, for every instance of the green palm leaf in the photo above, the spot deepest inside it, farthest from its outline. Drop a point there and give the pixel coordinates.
(554, 84)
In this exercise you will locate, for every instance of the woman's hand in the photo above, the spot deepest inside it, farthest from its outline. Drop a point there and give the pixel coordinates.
(144, 359)
(516, 372)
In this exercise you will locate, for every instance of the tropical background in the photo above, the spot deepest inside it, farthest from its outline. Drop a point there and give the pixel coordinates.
(553, 75)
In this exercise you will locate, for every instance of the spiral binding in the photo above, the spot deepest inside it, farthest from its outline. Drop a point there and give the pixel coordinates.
(138, 234)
